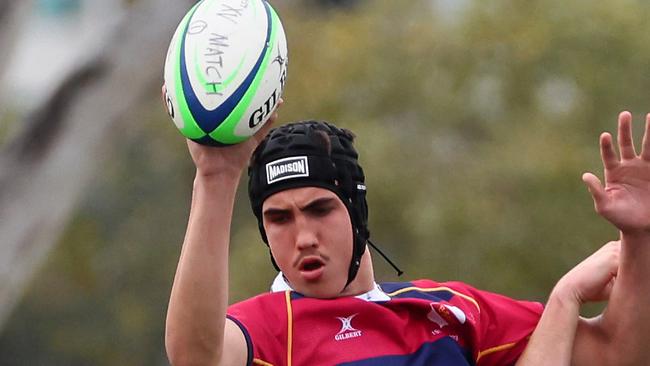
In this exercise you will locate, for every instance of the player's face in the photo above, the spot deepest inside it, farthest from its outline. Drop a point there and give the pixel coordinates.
(310, 235)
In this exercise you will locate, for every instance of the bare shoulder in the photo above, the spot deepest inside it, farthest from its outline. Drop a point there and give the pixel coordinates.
(235, 350)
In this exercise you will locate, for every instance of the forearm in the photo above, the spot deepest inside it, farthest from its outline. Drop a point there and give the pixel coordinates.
(552, 341)
(626, 319)
(199, 296)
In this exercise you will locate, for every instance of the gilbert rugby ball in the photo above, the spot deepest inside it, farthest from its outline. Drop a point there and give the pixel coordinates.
(225, 70)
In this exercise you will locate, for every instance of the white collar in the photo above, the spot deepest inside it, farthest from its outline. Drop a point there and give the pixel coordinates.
(374, 295)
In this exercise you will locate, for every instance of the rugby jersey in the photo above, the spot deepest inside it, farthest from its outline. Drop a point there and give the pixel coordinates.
(414, 323)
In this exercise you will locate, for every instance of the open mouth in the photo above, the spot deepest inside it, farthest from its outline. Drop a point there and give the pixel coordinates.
(311, 269)
(309, 265)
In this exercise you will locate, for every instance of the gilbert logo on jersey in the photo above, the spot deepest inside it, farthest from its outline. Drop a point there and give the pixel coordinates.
(347, 330)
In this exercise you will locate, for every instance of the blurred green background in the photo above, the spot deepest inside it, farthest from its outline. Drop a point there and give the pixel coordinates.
(474, 122)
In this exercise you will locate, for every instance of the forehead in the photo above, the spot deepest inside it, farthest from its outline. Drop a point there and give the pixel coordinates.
(297, 196)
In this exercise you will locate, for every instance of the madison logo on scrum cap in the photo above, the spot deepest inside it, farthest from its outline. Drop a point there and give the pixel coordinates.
(287, 168)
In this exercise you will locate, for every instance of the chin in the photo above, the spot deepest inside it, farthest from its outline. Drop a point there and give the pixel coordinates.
(321, 294)
(319, 290)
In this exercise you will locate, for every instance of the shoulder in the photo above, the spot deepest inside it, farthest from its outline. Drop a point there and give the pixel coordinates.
(428, 290)
(459, 294)
(496, 326)
(422, 285)
(251, 307)
(259, 314)
(262, 320)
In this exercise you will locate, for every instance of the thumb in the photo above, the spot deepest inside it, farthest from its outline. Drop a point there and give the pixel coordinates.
(268, 125)
(607, 291)
(596, 189)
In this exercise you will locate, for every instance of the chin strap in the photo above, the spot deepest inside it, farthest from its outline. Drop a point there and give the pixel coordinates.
(399, 271)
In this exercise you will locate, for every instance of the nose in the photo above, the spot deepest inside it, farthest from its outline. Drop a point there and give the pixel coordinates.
(306, 235)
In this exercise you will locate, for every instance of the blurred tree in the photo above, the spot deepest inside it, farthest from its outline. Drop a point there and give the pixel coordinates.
(58, 147)
(335, 3)
(57, 8)
(12, 14)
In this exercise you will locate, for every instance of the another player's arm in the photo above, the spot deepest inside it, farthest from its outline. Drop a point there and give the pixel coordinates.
(197, 332)
(591, 280)
(620, 337)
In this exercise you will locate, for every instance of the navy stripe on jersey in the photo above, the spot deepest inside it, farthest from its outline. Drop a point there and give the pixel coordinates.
(296, 295)
(437, 295)
(444, 351)
(389, 287)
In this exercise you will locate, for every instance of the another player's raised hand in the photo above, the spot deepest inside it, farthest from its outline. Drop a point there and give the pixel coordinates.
(625, 198)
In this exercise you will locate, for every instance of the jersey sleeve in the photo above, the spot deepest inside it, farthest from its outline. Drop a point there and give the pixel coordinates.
(499, 326)
(263, 321)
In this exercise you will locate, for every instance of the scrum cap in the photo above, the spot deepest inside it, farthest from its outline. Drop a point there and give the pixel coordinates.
(312, 154)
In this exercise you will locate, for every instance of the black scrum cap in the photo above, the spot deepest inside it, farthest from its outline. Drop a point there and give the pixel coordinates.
(312, 154)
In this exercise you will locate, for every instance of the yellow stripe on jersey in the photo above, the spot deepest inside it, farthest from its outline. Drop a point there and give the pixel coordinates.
(442, 288)
(287, 299)
(257, 361)
(488, 351)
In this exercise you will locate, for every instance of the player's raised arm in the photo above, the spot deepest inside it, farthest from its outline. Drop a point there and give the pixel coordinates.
(620, 338)
(196, 328)
(591, 280)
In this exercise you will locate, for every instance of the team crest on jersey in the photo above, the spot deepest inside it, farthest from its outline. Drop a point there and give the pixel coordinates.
(287, 168)
(444, 314)
(347, 330)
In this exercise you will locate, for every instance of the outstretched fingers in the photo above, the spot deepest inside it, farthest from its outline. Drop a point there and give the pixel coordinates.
(645, 150)
(607, 152)
(625, 142)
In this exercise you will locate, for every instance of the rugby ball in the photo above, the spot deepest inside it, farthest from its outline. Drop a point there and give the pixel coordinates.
(225, 70)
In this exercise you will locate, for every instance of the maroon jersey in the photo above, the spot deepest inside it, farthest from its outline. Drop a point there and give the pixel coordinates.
(418, 323)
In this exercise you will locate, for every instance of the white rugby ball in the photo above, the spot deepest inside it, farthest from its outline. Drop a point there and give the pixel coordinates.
(225, 70)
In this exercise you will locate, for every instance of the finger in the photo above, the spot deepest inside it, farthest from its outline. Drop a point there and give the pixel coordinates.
(614, 257)
(163, 95)
(645, 150)
(625, 143)
(274, 116)
(261, 134)
(607, 291)
(607, 152)
(596, 189)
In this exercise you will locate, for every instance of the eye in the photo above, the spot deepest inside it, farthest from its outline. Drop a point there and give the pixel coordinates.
(321, 210)
(277, 218)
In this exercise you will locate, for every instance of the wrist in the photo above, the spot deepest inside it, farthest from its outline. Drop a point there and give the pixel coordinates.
(221, 182)
(566, 297)
(221, 173)
(637, 235)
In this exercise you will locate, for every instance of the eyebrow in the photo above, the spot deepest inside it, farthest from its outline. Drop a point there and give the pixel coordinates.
(274, 211)
(313, 204)
(317, 202)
